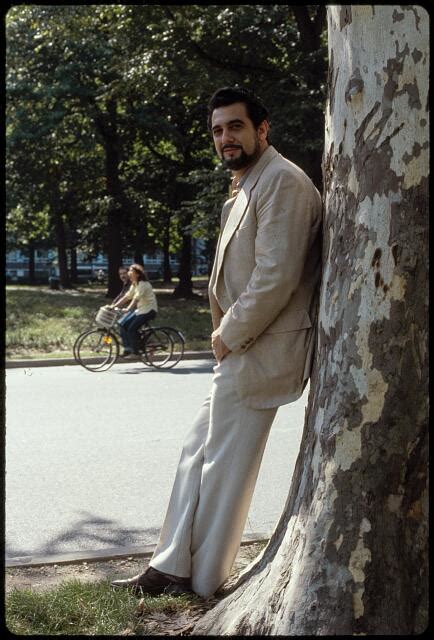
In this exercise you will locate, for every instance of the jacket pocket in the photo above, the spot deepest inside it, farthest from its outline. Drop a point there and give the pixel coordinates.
(290, 321)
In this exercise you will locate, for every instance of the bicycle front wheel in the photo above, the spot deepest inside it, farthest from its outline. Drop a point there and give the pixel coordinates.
(97, 350)
(178, 342)
(76, 343)
(158, 348)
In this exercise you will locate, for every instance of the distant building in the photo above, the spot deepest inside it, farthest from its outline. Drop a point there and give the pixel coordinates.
(17, 264)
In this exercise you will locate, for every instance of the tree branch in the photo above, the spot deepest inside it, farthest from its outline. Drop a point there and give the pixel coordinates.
(310, 31)
(160, 156)
(219, 63)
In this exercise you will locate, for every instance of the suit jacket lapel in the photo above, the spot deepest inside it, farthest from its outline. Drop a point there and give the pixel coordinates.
(240, 205)
(224, 216)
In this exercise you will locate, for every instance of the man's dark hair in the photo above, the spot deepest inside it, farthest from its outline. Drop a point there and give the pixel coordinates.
(256, 110)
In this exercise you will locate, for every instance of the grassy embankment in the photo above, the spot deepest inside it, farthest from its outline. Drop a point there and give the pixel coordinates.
(45, 323)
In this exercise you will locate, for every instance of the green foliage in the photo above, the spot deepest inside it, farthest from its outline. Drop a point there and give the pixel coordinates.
(106, 114)
(24, 226)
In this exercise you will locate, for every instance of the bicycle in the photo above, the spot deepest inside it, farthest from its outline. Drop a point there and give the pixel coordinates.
(158, 346)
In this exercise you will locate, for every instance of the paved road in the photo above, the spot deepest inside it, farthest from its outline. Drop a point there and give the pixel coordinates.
(90, 458)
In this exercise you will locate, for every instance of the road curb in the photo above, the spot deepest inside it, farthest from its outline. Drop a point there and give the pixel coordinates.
(104, 555)
(59, 362)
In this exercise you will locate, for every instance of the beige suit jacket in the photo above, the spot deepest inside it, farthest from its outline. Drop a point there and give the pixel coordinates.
(263, 289)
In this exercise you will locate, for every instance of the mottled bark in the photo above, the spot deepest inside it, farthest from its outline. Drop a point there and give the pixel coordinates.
(349, 555)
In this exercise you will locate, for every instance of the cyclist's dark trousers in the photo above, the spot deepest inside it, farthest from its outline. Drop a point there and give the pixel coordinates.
(129, 325)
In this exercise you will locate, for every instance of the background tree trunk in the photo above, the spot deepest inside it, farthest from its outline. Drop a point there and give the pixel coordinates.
(140, 236)
(167, 269)
(31, 253)
(74, 271)
(108, 127)
(138, 257)
(349, 554)
(311, 22)
(185, 287)
(62, 256)
(184, 191)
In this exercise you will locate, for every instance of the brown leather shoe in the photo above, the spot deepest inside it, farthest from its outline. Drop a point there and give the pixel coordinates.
(154, 582)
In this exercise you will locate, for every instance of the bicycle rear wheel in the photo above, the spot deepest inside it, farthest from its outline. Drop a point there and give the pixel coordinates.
(158, 347)
(178, 342)
(143, 333)
(101, 343)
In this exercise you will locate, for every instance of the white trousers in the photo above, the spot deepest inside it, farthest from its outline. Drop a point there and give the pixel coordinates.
(213, 487)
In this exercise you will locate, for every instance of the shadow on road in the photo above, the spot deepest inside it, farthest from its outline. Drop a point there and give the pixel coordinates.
(88, 533)
(197, 368)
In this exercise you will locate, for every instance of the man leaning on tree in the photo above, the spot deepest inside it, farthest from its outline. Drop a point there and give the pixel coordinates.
(263, 295)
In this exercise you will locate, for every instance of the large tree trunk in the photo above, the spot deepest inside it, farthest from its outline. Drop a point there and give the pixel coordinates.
(349, 555)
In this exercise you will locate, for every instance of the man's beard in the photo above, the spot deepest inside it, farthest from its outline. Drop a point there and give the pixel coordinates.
(244, 159)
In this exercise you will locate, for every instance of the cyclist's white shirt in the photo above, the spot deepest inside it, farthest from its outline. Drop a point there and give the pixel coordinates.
(144, 295)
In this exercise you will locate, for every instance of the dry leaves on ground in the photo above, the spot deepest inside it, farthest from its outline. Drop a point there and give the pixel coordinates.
(175, 623)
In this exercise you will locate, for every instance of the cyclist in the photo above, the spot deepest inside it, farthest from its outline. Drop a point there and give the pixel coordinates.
(126, 284)
(142, 308)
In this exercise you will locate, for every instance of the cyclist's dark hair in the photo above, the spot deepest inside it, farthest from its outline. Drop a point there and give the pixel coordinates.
(256, 110)
(140, 271)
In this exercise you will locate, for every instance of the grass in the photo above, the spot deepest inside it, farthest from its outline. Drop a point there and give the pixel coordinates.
(42, 322)
(77, 608)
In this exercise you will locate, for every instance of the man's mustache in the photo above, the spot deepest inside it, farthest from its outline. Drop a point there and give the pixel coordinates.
(231, 146)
